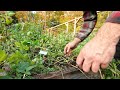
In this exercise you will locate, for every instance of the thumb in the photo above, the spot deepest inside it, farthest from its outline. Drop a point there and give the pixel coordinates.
(103, 66)
(68, 49)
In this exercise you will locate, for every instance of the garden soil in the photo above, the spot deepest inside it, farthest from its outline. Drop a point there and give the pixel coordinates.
(68, 72)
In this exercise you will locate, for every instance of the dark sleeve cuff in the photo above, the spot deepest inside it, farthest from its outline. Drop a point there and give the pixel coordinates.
(114, 17)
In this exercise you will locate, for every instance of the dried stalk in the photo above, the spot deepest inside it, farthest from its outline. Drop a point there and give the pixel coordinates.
(100, 74)
(79, 70)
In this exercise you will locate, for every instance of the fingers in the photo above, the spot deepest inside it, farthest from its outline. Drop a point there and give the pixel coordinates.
(107, 58)
(87, 65)
(95, 66)
(103, 66)
(80, 60)
(90, 63)
(106, 62)
(67, 50)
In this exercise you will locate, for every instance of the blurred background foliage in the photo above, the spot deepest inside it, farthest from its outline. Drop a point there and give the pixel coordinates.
(49, 19)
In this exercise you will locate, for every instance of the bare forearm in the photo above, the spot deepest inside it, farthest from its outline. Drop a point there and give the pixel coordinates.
(110, 34)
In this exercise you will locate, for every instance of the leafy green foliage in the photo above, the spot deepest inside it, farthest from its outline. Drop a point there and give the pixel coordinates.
(22, 45)
(3, 55)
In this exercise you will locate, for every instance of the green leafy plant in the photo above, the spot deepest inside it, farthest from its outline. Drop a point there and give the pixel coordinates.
(22, 46)
(3, 55)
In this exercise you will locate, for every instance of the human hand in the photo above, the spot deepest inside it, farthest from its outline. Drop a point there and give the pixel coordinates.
(70, 46)
(100, 50)
(94, 54)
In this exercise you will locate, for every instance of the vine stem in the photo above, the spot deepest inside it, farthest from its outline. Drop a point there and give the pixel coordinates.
(100, 74)
(79, 70)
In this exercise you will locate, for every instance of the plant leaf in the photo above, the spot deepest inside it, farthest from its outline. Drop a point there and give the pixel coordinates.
(30, 67)
(17, 44)
(3, 55)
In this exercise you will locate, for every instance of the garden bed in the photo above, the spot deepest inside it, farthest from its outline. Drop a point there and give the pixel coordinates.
(22, 52)
(20, 57)
(68, 71)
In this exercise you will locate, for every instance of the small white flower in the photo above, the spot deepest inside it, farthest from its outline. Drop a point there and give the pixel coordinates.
(43, 52)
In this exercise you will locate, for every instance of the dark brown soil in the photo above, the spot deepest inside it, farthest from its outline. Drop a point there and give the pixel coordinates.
(68, 73)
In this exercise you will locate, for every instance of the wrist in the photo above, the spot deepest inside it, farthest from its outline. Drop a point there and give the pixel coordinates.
(76, 41)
